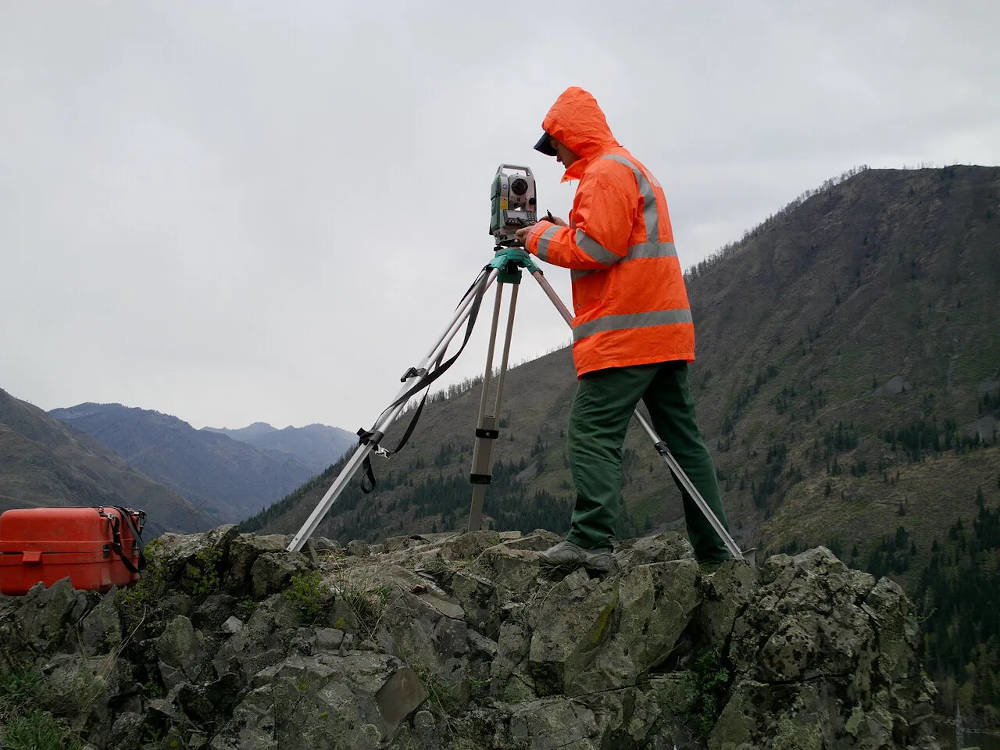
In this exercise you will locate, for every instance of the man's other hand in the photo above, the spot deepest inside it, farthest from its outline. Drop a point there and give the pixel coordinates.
(522, 235)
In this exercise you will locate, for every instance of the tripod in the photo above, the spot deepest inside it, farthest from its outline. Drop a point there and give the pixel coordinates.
(505, 269)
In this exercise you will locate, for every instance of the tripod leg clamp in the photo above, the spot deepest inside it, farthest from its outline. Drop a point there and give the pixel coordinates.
(365, 437)
(413, 372)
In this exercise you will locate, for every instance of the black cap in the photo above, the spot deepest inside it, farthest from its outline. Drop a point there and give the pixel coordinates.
(545, 145)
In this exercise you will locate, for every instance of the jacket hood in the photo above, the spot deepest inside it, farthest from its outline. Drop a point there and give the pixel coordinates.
(578, 121)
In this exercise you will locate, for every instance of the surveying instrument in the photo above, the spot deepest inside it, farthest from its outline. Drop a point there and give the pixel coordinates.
(513, 207)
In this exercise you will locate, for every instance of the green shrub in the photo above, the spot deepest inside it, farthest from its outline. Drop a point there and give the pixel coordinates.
(709, 680)
(134, 602)
(38, 730)
(26, 728)
(308, 593)
(18, 687)
(202, 577)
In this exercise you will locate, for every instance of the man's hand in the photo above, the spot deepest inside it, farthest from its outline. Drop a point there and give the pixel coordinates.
(522, 234)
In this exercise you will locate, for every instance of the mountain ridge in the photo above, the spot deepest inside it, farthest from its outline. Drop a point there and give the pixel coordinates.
(315, 445)
(46, 463)
(228, 478)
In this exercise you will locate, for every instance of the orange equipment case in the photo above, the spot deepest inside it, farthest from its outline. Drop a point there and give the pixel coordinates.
(96, 547)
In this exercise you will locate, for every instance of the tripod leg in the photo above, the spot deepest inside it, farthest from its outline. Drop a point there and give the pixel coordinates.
(486, 425)
(660, 446)
(553, 297)
(671, 462)
(385, 420)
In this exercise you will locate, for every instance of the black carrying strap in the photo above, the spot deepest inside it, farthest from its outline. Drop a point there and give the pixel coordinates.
(365, 437)
(115, 520)
(424, 380)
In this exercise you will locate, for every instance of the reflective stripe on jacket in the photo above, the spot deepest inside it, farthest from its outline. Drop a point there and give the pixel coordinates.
(629, 299)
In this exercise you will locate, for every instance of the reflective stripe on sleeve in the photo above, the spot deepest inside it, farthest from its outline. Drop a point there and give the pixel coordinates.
(543, 242)
(630, 320)
(595, 249)
(642, 250)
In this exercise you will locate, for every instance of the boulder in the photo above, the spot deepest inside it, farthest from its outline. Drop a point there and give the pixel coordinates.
(181, 651)
(44, 616)
(824, 657)
(356, 700)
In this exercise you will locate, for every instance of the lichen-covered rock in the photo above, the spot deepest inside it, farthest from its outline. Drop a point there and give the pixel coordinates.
(651, 549)
(825, 657)
(127, 730)
(329, 701)
(272, 571)
(465, 642)
(553, 723)
(100, 628)
(591, 635)
(243, 551)
(655, 602)
(724, 596)
(181, 651)
(44, 614)
(189, 558)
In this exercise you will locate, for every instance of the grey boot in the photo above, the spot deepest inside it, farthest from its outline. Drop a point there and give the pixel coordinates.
(569, 555)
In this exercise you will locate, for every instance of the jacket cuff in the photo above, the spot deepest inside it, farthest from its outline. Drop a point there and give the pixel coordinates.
(531, 245)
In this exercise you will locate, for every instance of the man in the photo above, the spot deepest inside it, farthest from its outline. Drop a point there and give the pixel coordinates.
(632, 332)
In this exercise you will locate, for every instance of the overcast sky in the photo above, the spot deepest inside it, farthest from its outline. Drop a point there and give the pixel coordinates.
(266, 211)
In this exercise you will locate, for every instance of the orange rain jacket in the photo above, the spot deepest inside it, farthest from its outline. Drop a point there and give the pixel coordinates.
(628, 290)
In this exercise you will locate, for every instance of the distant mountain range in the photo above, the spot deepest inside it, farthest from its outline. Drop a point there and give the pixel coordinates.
(230, 474)
(316, 446)
(44, 463)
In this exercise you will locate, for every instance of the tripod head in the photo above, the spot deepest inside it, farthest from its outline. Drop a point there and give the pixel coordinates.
(509, 261)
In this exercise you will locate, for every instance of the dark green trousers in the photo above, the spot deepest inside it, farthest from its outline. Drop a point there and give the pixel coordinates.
(602, 409)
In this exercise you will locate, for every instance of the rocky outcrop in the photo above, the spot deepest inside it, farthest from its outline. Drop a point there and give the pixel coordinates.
(465, 641)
